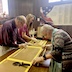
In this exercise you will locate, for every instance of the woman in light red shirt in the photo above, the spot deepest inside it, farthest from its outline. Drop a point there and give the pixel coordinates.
(24, 31)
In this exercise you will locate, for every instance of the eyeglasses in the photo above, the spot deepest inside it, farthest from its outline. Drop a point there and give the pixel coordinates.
(20, 64)
(44, 35)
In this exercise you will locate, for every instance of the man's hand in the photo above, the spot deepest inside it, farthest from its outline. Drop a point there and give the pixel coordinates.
(22, 45)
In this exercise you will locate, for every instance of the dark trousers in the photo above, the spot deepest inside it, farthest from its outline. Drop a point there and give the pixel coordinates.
(67, 66)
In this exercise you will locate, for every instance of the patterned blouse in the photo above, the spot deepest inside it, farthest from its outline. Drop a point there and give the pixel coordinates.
(61, 52)
(62, 45)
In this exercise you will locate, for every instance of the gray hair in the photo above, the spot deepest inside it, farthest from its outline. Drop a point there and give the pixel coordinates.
(46, 28)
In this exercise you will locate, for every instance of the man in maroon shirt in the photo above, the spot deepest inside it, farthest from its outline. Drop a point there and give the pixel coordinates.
(9, 32)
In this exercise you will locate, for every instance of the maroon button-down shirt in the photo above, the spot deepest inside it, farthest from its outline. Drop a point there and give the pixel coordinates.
(9, 34)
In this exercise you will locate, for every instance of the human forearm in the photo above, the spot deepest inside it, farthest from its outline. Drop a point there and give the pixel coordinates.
(27, 38)
(41, 58)
(56, 55)
(21, 40)
(48, 56)
(11, 45)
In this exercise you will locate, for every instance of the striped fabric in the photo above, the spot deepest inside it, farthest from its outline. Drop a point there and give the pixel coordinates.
(63, 41)
(62, 51)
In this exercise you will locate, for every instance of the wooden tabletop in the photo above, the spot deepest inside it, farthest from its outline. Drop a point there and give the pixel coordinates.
(38, 69)
(7, 54)
(32, 69)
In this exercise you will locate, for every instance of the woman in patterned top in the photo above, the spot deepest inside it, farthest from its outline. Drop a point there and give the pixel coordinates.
(61, 54)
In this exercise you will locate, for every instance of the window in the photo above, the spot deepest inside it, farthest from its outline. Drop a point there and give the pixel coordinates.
(66, 0)
(5, 6)
(54, 0)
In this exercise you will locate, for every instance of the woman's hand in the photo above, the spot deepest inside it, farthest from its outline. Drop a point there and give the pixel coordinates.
(34, 39)
(48, 46)
(37, 60)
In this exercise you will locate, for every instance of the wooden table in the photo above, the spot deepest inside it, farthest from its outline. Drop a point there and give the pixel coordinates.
(39, 43)
(38, 69)
(21, 55)
(32, 68)
(7, 54)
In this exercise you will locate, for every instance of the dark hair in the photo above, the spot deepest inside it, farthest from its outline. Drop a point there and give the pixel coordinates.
(42, 20)
(46, 22)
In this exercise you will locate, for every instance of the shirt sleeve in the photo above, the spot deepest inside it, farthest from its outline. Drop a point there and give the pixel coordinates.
(19, 39)
(57, 48)
(8, 37)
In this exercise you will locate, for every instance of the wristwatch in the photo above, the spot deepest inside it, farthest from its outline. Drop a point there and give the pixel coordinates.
(44, 56)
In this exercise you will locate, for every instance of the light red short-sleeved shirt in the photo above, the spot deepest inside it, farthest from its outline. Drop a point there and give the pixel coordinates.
(24, 29)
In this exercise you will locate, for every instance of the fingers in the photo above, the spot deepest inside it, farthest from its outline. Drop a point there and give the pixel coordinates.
(34, 62)
(34, 39)
(22, 45)
(37, 60)
(44, 47)
(30, 44)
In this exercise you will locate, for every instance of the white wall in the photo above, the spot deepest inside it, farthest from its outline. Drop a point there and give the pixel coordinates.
(61, 14)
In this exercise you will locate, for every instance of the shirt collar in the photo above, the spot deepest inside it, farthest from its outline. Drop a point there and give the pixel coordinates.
(13, 24)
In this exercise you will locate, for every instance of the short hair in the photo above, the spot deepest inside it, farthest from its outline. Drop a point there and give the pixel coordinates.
(21, 19)
(47, 28)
